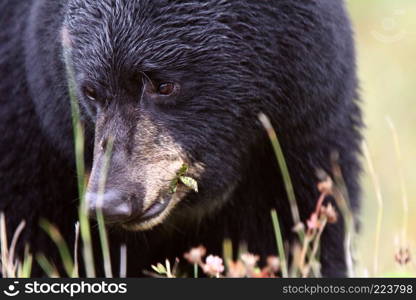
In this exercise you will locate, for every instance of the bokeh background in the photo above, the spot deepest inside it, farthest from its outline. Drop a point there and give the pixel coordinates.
(386, 45)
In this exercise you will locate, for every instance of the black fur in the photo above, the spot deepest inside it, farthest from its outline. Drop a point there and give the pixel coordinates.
(293, 60)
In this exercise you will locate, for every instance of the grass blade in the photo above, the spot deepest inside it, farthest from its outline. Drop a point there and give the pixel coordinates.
(4, 247)
(283, 168)
(123, 261)
(13, 244)
(100, 218)
(380, 205)
(79, 156)
(26, 268)
(59, 241)
(405, 201)
(341, 197)
(48, 267)
(280, 244)
(75, 274)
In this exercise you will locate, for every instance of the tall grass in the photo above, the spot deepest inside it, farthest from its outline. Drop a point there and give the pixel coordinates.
(405, 200)
(380, 209)
(306, 261)
(59, 241)
(79, 139)
(100, 218)
(11, 267)
(280, 244)
(284, 169)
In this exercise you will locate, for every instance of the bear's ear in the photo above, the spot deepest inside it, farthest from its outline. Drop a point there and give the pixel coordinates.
(66, 39)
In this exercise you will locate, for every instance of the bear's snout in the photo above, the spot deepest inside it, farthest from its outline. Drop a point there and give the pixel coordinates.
(114, 205)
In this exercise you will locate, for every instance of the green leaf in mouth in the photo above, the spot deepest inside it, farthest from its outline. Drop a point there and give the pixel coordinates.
(189, 182)
(181, 178)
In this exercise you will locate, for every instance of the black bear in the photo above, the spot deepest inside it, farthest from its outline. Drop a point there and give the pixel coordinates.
(169, 84)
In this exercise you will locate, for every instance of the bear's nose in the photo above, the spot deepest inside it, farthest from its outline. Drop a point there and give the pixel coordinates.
(114, 206)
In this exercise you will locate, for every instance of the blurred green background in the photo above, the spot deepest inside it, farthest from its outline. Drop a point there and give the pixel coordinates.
(386, 45)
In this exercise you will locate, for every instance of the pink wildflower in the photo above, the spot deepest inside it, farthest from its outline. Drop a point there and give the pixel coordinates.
(313, 222)
(213, 266)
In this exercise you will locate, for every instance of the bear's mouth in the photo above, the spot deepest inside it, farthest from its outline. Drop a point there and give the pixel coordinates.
(155, 209)
(152, 216)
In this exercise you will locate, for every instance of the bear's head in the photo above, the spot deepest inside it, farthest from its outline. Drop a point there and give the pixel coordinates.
(171, 89)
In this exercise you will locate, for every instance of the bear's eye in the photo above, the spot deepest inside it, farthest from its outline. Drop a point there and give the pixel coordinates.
(90, 93)
(166, 89)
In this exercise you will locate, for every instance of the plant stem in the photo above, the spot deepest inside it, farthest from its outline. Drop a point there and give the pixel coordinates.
(280, 245)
